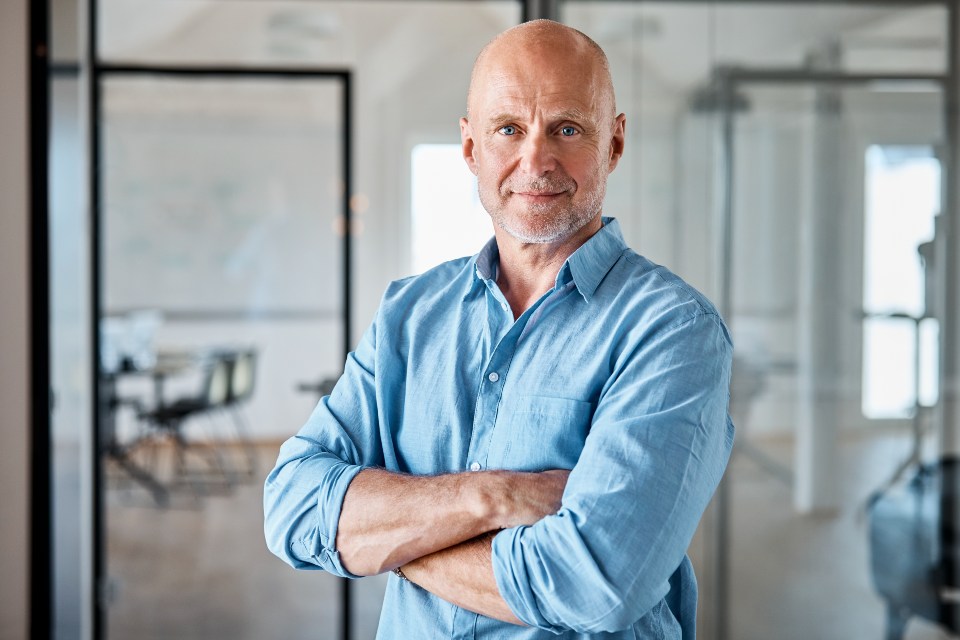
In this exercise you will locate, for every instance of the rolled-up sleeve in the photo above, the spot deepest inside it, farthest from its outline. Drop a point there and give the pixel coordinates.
(303, 495)
(658, 445)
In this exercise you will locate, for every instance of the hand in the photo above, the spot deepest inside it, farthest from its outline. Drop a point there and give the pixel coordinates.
(529, 497)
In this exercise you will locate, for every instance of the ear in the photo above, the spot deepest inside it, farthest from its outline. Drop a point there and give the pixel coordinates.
(616, 143)
(467, 145)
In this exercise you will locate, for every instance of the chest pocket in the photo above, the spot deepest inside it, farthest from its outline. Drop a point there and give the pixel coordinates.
(536, 433)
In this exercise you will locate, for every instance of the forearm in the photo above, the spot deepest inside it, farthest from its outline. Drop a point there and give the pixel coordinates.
(463, 575)
(388, 519)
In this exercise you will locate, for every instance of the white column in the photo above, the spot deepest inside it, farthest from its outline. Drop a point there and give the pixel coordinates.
(820, 313)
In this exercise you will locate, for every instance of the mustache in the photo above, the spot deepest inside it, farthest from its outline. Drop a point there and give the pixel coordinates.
(543, 184)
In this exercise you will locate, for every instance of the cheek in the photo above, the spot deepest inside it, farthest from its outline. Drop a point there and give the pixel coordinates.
(493, 170)
(590, 166)
(496, 156)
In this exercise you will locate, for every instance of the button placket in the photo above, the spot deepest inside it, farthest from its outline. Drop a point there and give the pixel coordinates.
(491, 390)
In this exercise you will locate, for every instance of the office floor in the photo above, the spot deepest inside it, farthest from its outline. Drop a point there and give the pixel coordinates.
(199, 568)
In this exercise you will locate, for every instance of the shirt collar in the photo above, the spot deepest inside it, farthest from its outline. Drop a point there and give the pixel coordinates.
(488, 259)
(593, 260)
(586, 267)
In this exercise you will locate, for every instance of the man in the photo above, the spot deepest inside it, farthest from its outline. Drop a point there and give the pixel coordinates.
(527, 437)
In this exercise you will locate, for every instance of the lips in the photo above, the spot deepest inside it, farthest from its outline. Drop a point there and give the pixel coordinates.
(541, 188)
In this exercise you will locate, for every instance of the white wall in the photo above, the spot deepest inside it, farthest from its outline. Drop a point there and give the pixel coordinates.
(14, 335)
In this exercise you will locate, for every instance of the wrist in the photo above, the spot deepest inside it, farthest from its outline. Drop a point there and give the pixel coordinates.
(491, 498)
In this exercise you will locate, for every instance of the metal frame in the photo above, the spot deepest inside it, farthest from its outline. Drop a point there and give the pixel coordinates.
(41, 487)
(100, 72)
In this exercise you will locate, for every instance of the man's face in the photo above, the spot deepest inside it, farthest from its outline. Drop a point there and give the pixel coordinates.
(541, 139)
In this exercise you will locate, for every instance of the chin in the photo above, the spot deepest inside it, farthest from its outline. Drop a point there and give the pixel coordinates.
(554, 231)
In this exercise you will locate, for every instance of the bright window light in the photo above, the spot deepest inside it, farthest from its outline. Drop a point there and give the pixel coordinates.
(902, 199)
(448, 220)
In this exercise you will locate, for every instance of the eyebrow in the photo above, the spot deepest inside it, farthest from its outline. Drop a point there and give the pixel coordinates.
(501, 119)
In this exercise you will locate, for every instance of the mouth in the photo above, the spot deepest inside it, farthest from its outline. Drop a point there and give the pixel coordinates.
(538, 196)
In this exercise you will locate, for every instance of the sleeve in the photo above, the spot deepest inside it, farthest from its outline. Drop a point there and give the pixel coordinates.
(303, 495)
(658, 445)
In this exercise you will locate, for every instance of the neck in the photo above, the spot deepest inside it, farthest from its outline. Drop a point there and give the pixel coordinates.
(527, 271)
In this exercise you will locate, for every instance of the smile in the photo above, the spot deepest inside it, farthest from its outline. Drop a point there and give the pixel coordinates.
(538, 195)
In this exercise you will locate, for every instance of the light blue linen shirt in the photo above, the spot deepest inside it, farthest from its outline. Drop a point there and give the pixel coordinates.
(620, 373)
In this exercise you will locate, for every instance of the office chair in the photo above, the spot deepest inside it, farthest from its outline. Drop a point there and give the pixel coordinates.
(169, 419)
(915, 547)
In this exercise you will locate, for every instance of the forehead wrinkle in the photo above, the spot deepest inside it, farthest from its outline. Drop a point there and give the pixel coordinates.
(512, 88)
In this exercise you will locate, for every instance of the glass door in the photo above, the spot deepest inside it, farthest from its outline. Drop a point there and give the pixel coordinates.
(222, 307)
(814, 225)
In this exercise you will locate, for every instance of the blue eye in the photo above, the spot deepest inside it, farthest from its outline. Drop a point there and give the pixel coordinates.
(568, 131)
(508, 130)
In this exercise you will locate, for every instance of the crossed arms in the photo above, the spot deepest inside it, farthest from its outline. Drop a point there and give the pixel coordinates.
(434, 527)
(589, 551)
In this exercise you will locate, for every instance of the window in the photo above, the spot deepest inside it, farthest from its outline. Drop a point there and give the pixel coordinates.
(899, 342)
(448, 220)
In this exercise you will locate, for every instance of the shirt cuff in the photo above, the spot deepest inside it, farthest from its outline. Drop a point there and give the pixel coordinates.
(510, 572)
(330, 494)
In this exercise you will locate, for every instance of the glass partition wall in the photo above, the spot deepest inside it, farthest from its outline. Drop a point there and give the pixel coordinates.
(222, 274)
(786, 159)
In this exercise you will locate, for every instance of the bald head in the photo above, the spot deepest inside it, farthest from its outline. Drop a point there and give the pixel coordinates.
(542, 133)
(542, 39)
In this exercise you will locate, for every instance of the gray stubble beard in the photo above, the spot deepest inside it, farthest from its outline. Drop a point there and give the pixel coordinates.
(551, 230)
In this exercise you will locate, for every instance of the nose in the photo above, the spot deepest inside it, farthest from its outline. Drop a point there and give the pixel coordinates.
(537, 155)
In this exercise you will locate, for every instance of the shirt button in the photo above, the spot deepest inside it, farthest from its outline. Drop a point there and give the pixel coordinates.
(474, 466)
(504, 305)
(493, 377)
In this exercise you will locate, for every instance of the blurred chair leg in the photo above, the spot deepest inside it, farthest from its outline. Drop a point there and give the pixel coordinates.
(897, 620)
(147, 480)
(213, 477)
(248, 450)
(216, 457)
